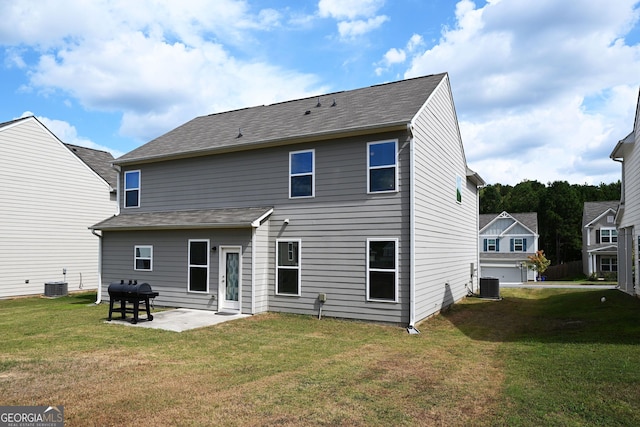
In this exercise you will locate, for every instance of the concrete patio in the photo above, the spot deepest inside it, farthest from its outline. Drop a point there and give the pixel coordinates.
(180, 319)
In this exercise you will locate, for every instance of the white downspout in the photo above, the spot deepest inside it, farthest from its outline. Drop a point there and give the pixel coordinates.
(119, 170)
(99, 294)
(412, 234)
(253, 269)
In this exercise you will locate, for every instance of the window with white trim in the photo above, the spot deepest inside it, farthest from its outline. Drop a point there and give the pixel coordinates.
(518, 244)
(143, 258)
(198, 272)
(609, 264)
(491, 245)
(382, 270)
(132, 189)
(608, 235)
(382, 171)
(288, 270)
(301, 173)
(459, 189)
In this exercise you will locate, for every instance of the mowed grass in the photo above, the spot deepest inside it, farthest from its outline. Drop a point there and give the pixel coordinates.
(537, 357)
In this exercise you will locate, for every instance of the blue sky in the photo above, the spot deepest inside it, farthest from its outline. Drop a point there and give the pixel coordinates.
(543, 89)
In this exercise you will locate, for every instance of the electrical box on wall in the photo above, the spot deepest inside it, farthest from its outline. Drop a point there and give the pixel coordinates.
(322, 297)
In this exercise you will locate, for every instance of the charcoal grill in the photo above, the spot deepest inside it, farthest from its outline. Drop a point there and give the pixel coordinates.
(131, 296)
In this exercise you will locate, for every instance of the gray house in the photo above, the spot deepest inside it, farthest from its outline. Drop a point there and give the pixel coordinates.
(362, 198)
(506, 242)
(599, 238)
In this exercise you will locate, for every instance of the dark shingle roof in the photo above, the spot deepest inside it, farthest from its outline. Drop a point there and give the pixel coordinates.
(359, 110)
(592, 210)
(528, 219)
(201, 218)
(99, 161)
(13, 121)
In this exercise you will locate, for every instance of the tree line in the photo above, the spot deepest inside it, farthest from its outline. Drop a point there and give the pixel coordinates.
(559, 207)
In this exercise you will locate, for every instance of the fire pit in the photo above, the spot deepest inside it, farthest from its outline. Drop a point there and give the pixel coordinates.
(130, 295)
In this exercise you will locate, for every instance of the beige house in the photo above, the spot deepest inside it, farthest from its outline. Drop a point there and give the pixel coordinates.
(51, 193)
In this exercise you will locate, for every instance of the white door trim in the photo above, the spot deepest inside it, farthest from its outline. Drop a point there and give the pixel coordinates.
(223, 304)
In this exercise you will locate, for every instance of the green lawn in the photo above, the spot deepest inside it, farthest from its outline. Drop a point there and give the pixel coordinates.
(537, 357)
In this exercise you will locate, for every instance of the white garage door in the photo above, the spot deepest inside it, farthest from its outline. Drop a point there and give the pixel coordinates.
(504, 274)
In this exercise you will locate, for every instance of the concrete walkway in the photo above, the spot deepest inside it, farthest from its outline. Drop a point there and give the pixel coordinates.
(179, 320)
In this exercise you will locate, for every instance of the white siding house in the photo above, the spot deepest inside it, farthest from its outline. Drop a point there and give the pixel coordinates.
(506, 242)
(627, 152)
(49, 199)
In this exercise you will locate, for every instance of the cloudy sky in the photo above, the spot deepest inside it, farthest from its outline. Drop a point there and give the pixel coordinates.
(543, 89)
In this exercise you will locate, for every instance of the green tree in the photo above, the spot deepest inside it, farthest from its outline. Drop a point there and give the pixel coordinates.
(525, 197)
(490, 199)
(560, 222)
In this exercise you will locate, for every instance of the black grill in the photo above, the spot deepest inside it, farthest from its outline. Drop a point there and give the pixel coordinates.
(130, 295)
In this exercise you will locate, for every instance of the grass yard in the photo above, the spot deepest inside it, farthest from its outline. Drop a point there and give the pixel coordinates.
(538, 357)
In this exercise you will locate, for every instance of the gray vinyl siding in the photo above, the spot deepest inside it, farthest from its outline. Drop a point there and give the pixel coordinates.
(255, 178)
(261, 268)
(333, 226)
(170, 264)
(445, 231)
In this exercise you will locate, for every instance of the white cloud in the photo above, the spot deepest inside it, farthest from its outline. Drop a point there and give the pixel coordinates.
(68, 134)
(541, 88)
(349, 9)
(353, 29)
(415, 42)
(394, 56)
(159, 69)
(355, 17)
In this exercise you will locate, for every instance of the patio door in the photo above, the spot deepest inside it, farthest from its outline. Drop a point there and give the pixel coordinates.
(230, 282)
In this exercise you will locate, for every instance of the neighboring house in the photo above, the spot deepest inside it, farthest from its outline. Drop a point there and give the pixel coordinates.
(627, 152)
(599, 239)
(51, 193)
(506, 241)
(361, 197)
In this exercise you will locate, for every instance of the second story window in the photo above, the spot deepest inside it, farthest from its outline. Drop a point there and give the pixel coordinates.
(132, 189)
(518, 245)
(491, 245)
(301, 171)
(382, 167)
(608, 235)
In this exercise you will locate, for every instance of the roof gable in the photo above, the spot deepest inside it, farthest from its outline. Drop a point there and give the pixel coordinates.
(94, 160)
(594, 211)
(527, 220)
(358, 111)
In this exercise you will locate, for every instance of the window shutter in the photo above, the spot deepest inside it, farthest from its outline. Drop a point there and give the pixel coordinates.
(597, 236)
(485, 244)
(524, 245)
(497, 245)
(511, 245)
